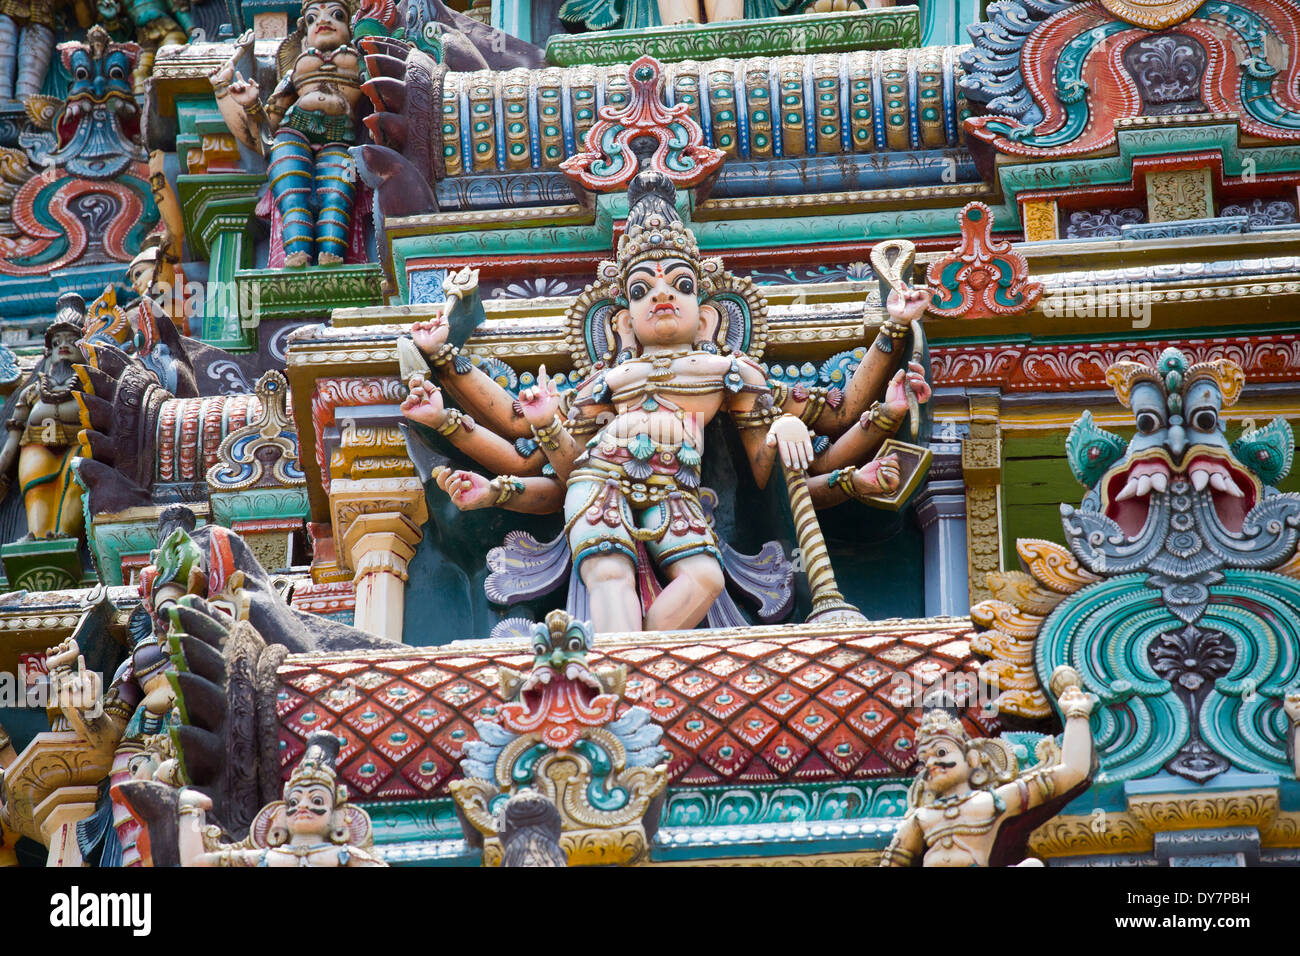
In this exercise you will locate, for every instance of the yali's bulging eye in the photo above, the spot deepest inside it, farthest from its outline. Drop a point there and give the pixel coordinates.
(1147, 422)
(1205, 420)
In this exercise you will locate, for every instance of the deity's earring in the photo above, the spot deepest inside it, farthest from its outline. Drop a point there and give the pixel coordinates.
(710, 322)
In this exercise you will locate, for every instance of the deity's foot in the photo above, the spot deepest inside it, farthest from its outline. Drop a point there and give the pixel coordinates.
(329, 259)
(296, 260)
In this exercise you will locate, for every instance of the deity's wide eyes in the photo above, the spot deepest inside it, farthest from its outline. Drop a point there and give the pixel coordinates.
(685, 285)
(638, 290)
(1205, 420)
(1148, 422)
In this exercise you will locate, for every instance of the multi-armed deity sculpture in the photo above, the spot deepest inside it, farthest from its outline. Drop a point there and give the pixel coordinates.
(304, 129)
(670, 339)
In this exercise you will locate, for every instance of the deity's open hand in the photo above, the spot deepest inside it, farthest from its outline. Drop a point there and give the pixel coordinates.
(910, 305)
(468, 490)
(79, 689)
(431, 334)
(423, 403)
(1075, 703)
(244, 92)
(896, 395)
(791, 438)
(879, 477)
(541, 403)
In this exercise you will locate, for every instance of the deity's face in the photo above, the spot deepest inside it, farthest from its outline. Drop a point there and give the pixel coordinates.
(140, 276)
(327, 25)
(309, 809)
(664, 302)
(947, 766)
(63, 347)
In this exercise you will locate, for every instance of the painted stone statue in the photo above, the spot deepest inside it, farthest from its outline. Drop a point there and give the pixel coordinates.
(156, 23)
(1175, 593)
(304, 130)
(672, 341)
(596, 777)
(968, 790)
(42, 424)
(27, 43)
(314, 825)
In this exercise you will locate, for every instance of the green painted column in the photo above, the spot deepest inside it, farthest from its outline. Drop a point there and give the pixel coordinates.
(945, 21)
(218, 209)
(514, 17)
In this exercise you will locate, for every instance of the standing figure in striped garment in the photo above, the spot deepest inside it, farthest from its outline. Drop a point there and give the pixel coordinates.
(304, 130)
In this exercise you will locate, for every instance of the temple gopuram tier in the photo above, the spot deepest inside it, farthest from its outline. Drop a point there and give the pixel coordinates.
(649, 433)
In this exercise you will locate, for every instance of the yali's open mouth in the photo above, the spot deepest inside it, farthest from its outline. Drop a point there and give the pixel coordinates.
(1127, 489)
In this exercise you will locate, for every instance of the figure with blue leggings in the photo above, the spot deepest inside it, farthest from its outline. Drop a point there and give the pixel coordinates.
(304, 130)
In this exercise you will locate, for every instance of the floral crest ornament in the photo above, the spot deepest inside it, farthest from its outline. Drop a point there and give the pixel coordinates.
(644, 130)
(982, 278)
(558, 735)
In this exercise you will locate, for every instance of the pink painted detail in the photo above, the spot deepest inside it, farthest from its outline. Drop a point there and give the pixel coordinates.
(558, 707)
(981, 262)
(608, 142)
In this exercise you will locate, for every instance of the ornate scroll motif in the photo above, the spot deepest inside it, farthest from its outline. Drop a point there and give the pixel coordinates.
(264, 453)
(611, 160)
(333, 393)
(1056, 75)
(982, 277)
(1178, 195)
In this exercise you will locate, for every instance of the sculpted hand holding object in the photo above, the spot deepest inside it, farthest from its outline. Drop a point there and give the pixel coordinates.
(968, 789)
(622, 453)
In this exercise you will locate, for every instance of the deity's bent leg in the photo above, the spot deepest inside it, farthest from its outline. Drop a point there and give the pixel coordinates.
(34, 50)
(69, 515)
(611, 591)
(598, 520)
(40, 475)
(717, 10)
(686, 550)
(679, 11)
(8, 56)
(291, 189)
(336, 188)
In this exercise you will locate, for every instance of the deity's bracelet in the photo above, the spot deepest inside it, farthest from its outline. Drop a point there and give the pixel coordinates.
(456, 419)
(1078, 710)
(547, 435)
(895, 330)
(879, 415)
(255, 111)
(446, 355)
(221, 88)
(842, 478)
(507, 486)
